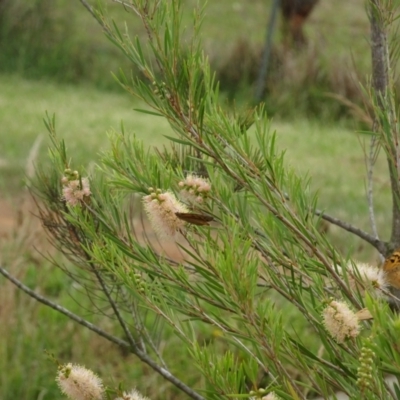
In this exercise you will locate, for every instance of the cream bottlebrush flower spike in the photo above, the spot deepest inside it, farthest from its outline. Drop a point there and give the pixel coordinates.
(369, 275)
(195, 189)
(161, 208)
(132, 395)
(270, 396)
(79, 383)
(340, 321)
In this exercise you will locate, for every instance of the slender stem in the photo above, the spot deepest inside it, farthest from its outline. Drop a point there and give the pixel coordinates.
(121, 321)
(380, 245)
(64, 311)
(370, 161)
(129, 6)
(370, 192)
(262, 73)
(142, 356)
(94, 15)
(386, 112)
(140, 329)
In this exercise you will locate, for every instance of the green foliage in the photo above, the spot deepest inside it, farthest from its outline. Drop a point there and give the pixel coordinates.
(84, 113)
(262, 249)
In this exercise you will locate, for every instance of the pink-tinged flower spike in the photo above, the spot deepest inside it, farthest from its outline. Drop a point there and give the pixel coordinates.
(132, 395)
(195, 189)
(75, 190)
(161, 208)
(340, 321)
(79, 383)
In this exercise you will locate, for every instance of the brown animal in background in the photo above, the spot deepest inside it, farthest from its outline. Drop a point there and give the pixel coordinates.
(294, 13)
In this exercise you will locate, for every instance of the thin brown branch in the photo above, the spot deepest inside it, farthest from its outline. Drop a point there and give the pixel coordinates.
(129, 6)
(370, 161)
(142, 356)
(114, 306)
(385, 107)
(380, 245)
(95, 15)
(64, 311)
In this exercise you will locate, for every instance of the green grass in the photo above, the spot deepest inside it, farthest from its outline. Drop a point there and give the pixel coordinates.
(83, 117)
(331, 24)
(66, 44)
(331, 154)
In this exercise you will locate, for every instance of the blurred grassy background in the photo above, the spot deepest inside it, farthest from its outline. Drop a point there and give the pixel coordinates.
(58, 39)
(54, 58)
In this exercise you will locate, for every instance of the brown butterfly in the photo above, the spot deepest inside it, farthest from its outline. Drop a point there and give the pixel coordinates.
(195, 219)
(364, 314)
(392, 268)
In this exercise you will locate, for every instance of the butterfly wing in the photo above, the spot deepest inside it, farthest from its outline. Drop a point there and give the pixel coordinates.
(392, 268)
